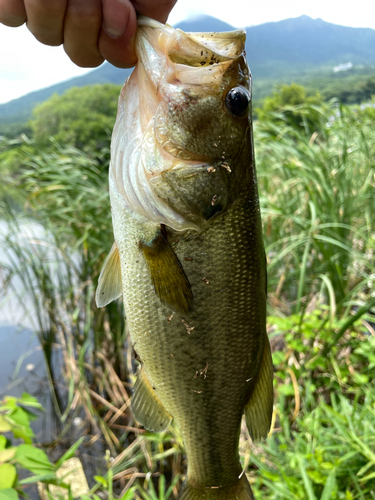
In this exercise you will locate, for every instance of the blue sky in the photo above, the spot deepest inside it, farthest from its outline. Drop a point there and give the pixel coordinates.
(27, 65)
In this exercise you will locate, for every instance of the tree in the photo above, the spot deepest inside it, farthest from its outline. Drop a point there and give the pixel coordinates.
(291, 106)
(290, 95)
(82, 117)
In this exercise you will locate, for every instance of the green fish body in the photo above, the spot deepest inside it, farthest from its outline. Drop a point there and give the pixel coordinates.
(188, 241)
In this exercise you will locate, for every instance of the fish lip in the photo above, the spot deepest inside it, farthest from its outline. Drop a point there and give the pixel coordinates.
(197, 49)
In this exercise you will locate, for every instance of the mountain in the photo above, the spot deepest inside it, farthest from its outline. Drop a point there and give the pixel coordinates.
(274, 50)
(301, 43)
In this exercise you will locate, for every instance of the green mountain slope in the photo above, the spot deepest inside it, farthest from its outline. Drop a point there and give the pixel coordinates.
(303, 43)
(277, 52)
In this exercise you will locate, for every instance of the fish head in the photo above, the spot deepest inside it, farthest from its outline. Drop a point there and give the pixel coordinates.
(193, 124)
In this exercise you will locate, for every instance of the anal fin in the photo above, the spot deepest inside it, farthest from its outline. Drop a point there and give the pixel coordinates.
(258, 410)
(167, 275)
(146, 406)
(110, 283)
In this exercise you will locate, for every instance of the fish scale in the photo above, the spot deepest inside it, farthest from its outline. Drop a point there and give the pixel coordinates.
(193, 274)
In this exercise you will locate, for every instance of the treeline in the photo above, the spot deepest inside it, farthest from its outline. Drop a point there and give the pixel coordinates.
(84, 116)
(351, 91)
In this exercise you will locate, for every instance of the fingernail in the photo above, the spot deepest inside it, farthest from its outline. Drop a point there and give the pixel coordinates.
(113, 32)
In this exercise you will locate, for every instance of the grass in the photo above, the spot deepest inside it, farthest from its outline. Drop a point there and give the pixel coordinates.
(316, 175)
(316, 171)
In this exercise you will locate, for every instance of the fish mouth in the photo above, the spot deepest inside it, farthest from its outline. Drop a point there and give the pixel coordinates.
(196, 49)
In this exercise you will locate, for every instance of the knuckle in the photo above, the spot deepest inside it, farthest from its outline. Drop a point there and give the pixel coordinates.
(84, 60)
(88, 14)
(44, 35)
(48, 38)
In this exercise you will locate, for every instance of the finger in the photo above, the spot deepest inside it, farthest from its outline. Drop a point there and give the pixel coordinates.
(116, 42)
(12, 12)
(45, 20)
(82, 26)
(156, 10)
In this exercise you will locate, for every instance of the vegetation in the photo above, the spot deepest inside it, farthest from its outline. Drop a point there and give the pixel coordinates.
(83, 117)
(316, 172)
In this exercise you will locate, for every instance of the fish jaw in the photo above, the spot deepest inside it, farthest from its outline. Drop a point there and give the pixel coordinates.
(173, 124)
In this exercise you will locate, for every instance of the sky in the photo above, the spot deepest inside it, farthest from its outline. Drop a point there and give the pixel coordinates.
(27, 65)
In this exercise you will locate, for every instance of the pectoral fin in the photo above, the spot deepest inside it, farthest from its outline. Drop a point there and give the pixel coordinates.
(146, 406)
(258, 410)
(167, 275)
(109, 284)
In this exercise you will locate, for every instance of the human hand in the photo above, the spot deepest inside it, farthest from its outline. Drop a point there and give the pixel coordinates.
(91, 30)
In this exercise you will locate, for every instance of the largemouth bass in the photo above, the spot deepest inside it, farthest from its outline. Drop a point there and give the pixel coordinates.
(188, 255)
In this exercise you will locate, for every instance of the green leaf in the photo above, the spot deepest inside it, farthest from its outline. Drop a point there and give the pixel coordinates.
(328, 487)
(9, 403)
(7, 454)
(316, 476)
(8, 475)
(28, 400)
(306, 480)
(129, 495)
(360, 378)
(69, 453)
(33, 459)
(22, 428)
(4, 425)
(278, 357)
(47, 477)
(8, 494)
(326, 465)
(286, 389)
(101, 480)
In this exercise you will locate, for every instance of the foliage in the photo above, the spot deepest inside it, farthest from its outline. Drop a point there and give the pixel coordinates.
(15, 417)
(55, 245)
(82, 117)
(288, 95)
(291, 105)
(322, 445)
(316, 182)
(361, 91)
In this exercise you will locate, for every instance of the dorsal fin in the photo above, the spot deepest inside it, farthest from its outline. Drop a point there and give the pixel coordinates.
(167, 275)
(109, 284)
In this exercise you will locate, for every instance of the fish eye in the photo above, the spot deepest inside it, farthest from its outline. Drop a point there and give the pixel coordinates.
(237, 101)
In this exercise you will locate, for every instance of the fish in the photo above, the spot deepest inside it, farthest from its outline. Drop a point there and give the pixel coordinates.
(188, 256)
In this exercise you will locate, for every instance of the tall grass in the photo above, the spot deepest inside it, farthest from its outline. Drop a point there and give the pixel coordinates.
(63, 193)
(316, 174)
